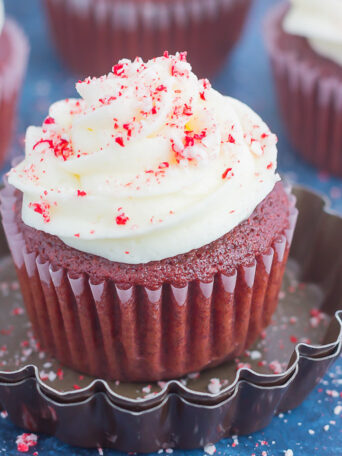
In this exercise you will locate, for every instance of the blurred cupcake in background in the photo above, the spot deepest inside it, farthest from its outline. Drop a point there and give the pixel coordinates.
(93, 34)
(304, 41)
(13, 60)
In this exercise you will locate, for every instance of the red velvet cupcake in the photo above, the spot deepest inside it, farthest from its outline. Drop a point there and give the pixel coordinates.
(147, 224)
(304, 42)
(91, 35)
(13, 61)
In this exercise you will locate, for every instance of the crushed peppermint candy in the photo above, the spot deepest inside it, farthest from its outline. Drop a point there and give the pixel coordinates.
(25, 442)
(51, 375)
(255, 354)
(210, 449)
(194, 375)
(227, 173)
(42, 208)
(121, 219)
(147, 389)
(276, 367)
(338, 410)
(214, 386)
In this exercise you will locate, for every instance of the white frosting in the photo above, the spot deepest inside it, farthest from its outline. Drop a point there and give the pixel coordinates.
(150, 163)
(320, 21)
(2, 15)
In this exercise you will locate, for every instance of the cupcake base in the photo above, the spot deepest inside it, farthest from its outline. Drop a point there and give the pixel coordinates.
(138, 333)
(13, 61)
(91, 36)
(309, 90)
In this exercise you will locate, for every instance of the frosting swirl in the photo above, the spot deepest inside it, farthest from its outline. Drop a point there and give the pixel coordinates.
(320, 22)
(151, 162)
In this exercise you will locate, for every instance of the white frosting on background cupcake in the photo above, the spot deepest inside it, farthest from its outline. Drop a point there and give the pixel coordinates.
(320, 21)
(150, 163)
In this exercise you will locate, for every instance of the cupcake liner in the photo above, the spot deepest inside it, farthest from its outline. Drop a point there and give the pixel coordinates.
(135, 333)
(13, 62)
(92, 35)
(310, 101)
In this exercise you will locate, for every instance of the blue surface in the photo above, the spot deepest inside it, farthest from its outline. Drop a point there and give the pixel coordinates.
(312, 429)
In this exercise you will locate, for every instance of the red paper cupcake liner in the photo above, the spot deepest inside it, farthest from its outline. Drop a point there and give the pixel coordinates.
(13, 61)
(310, 101)
(92, 35)
(135, 333)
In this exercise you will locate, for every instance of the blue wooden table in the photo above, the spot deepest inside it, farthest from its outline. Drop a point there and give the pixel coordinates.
(315, 428)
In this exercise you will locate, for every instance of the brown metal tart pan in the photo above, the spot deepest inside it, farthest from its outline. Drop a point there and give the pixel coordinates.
(277, 374)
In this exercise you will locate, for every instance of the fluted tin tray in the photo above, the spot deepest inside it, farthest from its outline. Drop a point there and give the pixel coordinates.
(239, 397)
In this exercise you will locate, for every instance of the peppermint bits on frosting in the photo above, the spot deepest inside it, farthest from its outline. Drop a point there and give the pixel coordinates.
(42, 208)
(119, 70)
(121, 219)
(136, 167)
(204, 87)
(159, 98)
(119, 140)
(227, 173)
(49, 120)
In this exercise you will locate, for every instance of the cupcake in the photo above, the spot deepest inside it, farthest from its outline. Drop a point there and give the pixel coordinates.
(93, 34)
(304, 41)
(147, 224)
(13, 61)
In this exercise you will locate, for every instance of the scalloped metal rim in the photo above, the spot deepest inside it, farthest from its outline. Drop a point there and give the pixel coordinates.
(155, 407)
(175, 386)
(161, 396)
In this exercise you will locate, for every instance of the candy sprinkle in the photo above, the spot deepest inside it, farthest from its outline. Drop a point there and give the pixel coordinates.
(225, 174)
(25, 441)
(121, 219)
(210, 449)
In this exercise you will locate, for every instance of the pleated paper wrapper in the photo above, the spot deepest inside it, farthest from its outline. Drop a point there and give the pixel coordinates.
(134, 333)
